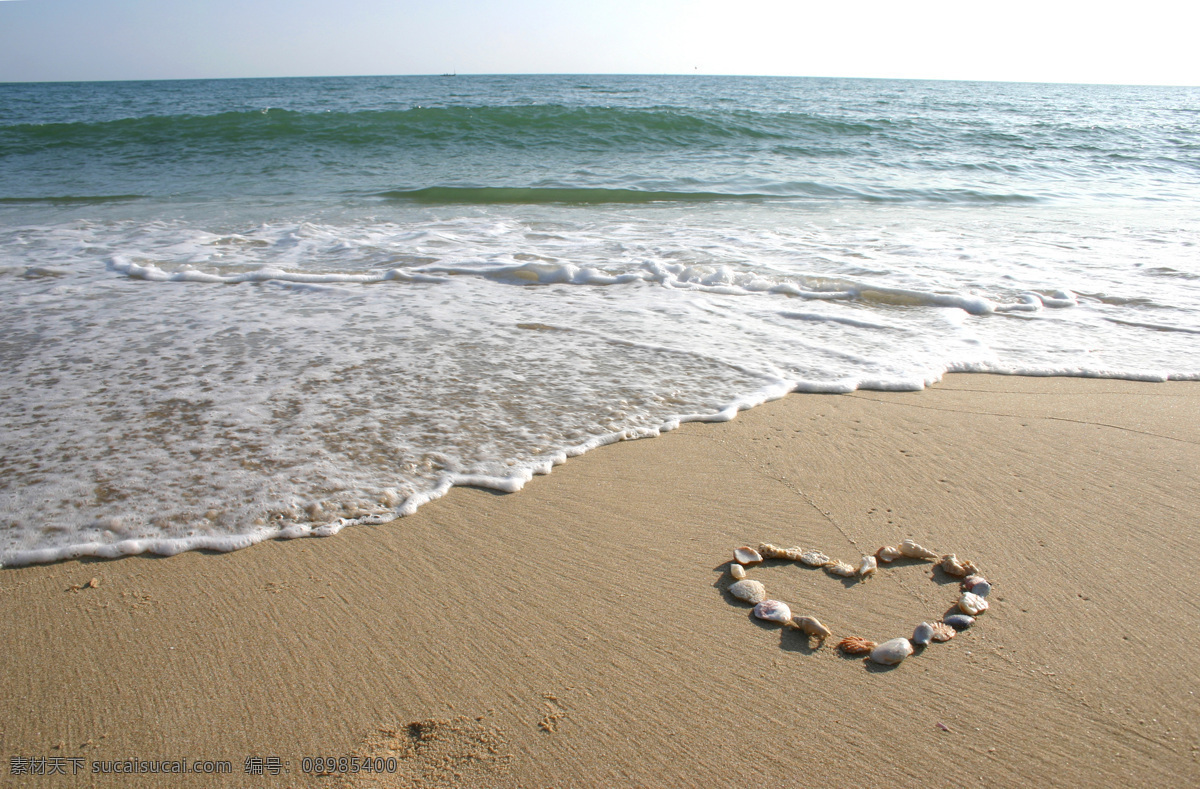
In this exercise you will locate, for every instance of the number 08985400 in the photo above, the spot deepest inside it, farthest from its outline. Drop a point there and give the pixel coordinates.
(328, 765)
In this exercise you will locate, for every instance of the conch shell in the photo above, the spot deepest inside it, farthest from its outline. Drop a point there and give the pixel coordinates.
(952, 566)
(853, 645)
(811, 626)
(770, 551)
(914, 551)
(888, 553)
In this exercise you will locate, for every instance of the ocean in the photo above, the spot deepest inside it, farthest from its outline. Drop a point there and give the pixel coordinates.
(237, 310)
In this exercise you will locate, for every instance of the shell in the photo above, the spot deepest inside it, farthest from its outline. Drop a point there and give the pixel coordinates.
(749, 591)
(853, 645)
(888, 553)
(868, 567)
(889, 653)
(813, 627)
(959, 621)
(747, 555)
(981, 588)
(914, 551)
(773, 611)
(972, 604)
(815, 559)
(943, 632)
(737, 571)
(842, 569)
(952, 566)
(970, 581)
(770, 551)
(923, 634)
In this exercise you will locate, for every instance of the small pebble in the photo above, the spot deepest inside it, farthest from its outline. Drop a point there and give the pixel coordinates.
(959, 621)
(889, 653)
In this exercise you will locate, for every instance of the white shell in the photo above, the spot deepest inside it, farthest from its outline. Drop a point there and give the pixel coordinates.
(943, 632)
(815, 559)
(737, 571)
(841, 568)
(868, 567)
(914, 551)
(747, 555)
(923, 634)
(972, 604)
(749, 591)
(773, 611)
(888, 553)
(889, 653)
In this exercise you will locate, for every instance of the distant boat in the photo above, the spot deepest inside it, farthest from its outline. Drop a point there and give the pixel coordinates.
(455, 74)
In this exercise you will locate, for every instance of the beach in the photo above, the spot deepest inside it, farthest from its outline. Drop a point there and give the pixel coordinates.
(578, 633)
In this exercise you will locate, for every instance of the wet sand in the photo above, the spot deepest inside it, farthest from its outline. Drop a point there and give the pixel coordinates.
(578, 633)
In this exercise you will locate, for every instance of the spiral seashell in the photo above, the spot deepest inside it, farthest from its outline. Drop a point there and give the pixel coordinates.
(774, 611)
(811, 626)
(853, 645)
(842, 569)
(747, 555)
(888, 553)
(914, 551)
(815, 559)
(737, 571)
(748, 591)
(889, 653)
(770, 551)
(943, 632)
(868, 567)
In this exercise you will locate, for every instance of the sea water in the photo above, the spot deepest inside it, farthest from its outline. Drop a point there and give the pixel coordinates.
(245, 309)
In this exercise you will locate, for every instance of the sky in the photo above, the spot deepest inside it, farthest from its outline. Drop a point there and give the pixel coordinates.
(1150, 42)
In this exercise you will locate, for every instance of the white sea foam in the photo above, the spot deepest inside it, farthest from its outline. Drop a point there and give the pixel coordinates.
(170, 386)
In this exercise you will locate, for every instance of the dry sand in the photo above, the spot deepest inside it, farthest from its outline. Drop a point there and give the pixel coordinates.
(578, 633)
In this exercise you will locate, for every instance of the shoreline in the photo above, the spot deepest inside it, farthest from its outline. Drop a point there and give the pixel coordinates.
(577, 633)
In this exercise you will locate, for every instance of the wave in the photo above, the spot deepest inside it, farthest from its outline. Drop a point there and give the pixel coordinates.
(69, 199)
(496, 195)
(516, 126)
(534, 195)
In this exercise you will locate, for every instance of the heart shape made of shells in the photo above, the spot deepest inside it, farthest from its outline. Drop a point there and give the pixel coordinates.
(972, 602)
